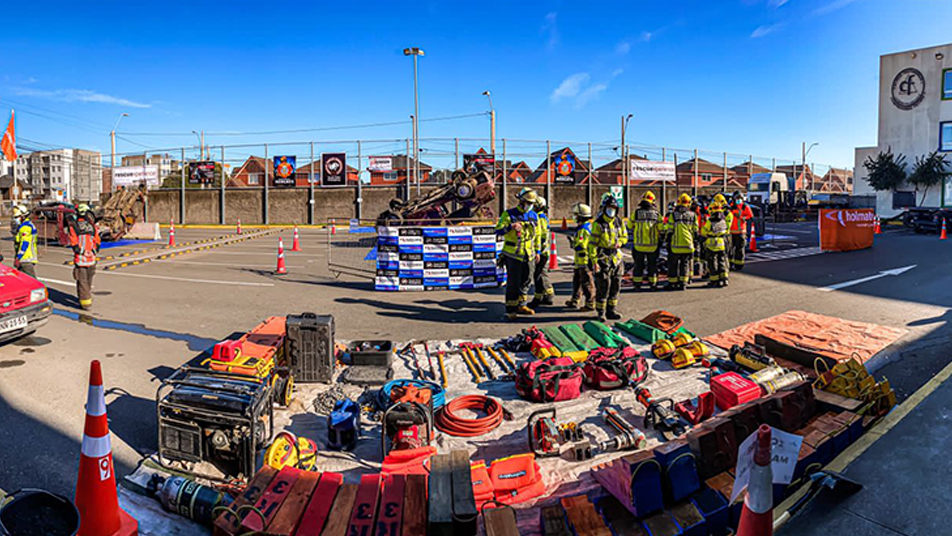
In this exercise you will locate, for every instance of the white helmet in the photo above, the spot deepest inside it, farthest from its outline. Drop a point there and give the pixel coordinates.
(582, 210)
(20, 210)
(540, 203)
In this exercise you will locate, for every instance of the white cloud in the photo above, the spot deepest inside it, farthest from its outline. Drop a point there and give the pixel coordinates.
(550, 29)
(623, 48)
(764, 30)
(80, 95)
(617, 72)
(777, 3)
(832, 6)
(646, 36)
(570, 87)
(590, 93)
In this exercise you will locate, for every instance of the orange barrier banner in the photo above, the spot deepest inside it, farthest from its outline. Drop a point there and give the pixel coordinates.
(846, 229)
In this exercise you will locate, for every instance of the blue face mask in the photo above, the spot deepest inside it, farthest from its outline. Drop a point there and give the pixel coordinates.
(610, 212)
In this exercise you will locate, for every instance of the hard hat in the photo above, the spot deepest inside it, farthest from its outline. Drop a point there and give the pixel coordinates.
(19, 210)
(82, 208)
(649, 197)
(608, 200)
(527, 194)
(663, 349)
(290, 450)
(539, 202)
(684, 200)
(582, 210)
(720, 200)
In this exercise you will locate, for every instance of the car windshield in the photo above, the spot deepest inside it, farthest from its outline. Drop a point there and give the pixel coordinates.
(757, 187)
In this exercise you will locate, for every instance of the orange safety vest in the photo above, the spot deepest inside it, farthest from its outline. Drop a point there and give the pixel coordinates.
(84, 247)
(741, 215)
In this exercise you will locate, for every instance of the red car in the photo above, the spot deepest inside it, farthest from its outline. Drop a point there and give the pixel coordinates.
(24, 304)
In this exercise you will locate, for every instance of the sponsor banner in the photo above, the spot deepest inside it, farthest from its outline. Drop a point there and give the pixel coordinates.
(650, 170)
(846, 229)
(284, 168)
(135, 175)
(333, 169)
(382, 164)
(473, 163)
(201, 172)
(563, 166)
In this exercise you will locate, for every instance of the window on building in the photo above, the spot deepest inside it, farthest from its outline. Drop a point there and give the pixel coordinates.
(254, 179)
(707, 177)
(947, 84)
(945, 136)
(904, 199)
(390, 176)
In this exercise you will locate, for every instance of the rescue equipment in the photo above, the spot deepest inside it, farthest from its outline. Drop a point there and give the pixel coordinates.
(612, 368)
(288, 450)
(449, 422)
(549, 380)
(343, 425)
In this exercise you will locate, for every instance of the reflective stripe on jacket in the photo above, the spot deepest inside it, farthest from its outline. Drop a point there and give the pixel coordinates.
(583, 235)
(520, 246)
(742, 214)
(645, 229)
(716, 232)
(608, 237)
(85, 243)
(682, 224)
(25, 242)
(543, 236)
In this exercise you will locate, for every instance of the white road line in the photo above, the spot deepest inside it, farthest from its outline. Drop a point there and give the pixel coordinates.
(58, 282)
(273, 254)
(188, 280)
(782, 255)
(236, 265)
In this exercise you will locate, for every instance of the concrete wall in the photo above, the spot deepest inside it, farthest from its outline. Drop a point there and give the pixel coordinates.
(243, 203)
(202, 206)
(336, 203)
(288, 205)
(164, 206)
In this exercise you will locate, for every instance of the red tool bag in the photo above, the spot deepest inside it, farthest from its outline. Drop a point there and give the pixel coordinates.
(612, 368)
(549, 380)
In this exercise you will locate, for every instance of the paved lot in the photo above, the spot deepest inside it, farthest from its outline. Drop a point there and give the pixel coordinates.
(148, 319)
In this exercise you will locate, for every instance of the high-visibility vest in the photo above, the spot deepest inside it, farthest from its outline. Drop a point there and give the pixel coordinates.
(741, 213)
(543, 238)
(25, 242)
(716, 232)
(583, 235)
(682, 224)
(608, 237)
(84, 244)
(520, 246)
(645, 229)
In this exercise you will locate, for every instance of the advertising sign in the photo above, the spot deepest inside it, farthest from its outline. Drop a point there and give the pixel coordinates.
(135, 176)
(201, 172)
(618, 192)
(333, 169)
(382, 164)
(846, 229)
(284, 167)
(564, 167)
(649, 170)
(473, 163)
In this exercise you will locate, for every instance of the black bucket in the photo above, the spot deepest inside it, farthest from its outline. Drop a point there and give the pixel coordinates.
(34, 512)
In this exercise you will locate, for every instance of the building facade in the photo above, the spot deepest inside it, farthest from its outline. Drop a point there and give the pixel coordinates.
(164, 163)
(62, 174)
(915, 118)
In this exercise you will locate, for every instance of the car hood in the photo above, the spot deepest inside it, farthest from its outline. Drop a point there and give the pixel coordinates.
(14, 283)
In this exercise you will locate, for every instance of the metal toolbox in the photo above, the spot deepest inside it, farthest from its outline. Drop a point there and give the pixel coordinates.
(309, 347)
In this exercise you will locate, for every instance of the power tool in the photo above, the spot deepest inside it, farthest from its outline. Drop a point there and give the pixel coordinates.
(628, 436)
(408, 422)
(661, 418)
(546, 436)
(751, 356)
(343, 425)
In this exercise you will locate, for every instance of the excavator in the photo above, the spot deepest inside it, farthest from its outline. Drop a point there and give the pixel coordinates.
(471, 192)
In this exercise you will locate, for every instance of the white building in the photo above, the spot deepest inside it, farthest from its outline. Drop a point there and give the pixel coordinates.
(915, 118)
(165, 163)
(62, 174)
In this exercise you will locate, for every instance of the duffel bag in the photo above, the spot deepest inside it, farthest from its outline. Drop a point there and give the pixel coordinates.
(612, 368)
(549, 380)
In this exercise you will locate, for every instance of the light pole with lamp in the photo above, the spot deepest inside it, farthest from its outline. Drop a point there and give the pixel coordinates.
(112, 139)
(492, 123)
(803, 164)
(624, 159)
(415, 52)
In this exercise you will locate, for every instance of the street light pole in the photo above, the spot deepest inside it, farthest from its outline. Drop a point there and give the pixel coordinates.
(803, 162)
(415, 52)
(624, 159)
(492, 123)
(112, 140)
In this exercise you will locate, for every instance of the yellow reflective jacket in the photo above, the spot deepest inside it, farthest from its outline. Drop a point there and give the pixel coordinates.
(682, 225)
(608, 237)
(645, 228)
(583, 235)
(24, 242)
(716, 232)
(543, 235)
(518, 245)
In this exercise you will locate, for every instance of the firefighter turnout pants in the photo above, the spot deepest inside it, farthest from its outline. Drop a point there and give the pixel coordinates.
(646, 268)
(717, 266)
(679, 268)
(738, 250)
(583, 285)
(84, 284)
(518, 281)
(540, 277)
(607, 286)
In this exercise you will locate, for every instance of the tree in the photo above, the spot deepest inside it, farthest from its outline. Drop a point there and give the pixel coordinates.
(886, 171)
(174, 179)
(928, 171)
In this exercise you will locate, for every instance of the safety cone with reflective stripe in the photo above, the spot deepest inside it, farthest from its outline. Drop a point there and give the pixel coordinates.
(281, 268)
(877, 229)
(239, 226)
(756, 519)
(553, 254)
(942, 234)
(565, 224)
(753, 242)
(171, 234)
(333, 229)
(295, 246)
(97, 497)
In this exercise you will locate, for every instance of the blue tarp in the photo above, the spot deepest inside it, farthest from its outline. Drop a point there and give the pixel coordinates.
(120, 243)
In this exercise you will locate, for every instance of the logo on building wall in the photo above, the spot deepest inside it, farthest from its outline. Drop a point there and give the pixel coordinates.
(908, 89)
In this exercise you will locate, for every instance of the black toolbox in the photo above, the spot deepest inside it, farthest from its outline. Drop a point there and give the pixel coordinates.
(371, 353)
(309, 347)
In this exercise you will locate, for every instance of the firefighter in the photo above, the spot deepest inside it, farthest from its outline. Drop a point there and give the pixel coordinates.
(518, 227)
(608, 237)
(84, 239)
(544, 293)
(681, 224)
(738, 246)
(583, 285)
(645, 230)
(24, 241)
(716, 234)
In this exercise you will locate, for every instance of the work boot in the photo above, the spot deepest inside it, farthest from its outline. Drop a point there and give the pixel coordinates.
(548, 300)
(601, 316)
(511, 317)
(523, 310)
(588, 307)
(571, 304)
(611, 314)
(534, 304)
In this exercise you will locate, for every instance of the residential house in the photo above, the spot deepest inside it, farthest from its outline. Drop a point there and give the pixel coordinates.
(611, 173)
(806, 180)
(740, 174)
(302, 175)
(837, 181)
(708, 173)
(9, 192)
(401, 167)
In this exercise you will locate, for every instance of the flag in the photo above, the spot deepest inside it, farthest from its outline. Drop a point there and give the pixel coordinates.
(9, 143)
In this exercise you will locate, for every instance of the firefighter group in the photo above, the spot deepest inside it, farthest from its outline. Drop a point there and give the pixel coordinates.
(83, 239)
(716, 237)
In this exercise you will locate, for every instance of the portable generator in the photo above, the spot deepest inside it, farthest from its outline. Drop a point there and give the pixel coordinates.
(211, 416)
(404, 424)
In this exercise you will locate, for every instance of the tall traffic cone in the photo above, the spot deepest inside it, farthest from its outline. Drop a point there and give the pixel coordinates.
(295, 246)
(333, 229)
(97, 497)
(565, 224)
(239, 225)
(756, 519)
(753, 242)
(942, 234)
(876, 227)
(553, 254)
(282, 269)
(171, 234)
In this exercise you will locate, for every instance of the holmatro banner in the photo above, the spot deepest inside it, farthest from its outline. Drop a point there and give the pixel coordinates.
(846, 229)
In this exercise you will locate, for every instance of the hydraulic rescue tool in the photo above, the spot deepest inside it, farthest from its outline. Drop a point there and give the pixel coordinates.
(408, 423)
(751, 356)
(660, 417)
(546, 435)
(628, 436)
(409, 351)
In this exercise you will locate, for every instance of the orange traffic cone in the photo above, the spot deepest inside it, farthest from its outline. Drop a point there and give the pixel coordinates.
(756, 519)
(553, 254)
(97, 498)
(171, 234)
(565, 224)
(295, 246)
(333, 229)
(753, 242)
(942, 234)
(282, 269)
(876, 228)
(239, 225)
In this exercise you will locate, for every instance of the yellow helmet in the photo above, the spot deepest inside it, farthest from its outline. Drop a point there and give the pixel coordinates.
(684, 200)
(720, 200)
(527, 194)
(20, 210)
(649, 197)
(581, 210)
(82, 208)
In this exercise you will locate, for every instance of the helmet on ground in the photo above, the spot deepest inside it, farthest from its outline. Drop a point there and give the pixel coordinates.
(684, 200)
(719, 200)
(288, 450)
(539, 203)
(528, 195)
(649, 197)
(20, 210)
(82, 208)
(608, 200)
(581, 210)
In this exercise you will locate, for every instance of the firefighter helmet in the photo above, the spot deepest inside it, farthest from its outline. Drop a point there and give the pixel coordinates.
(649, 197)
(684, 200)
(581, 210)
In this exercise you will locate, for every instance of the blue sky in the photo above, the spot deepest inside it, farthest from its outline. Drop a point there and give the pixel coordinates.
(744, 76)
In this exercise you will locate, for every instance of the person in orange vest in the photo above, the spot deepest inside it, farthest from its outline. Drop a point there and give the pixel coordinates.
(84, 239)
(742, 214)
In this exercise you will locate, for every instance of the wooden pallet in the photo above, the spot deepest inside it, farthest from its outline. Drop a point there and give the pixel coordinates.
(365, 506)
(500, 522)
(554, 522)
(227, 523)
(319, 508)
(390, 511)
(414, 506)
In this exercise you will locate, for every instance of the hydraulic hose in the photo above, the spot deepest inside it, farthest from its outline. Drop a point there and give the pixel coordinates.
(449, 422)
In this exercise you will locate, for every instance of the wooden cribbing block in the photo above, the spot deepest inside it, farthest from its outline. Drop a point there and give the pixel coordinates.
(828, 401)
(635, 480)
(583, 517)
(414, 506)
(554, 522)
(227, 523)
(289, 515)
(440, 521)
(339, 518)
(270, 500)
(319, 507)
(464, 503)
(689, 518)
(390, 511)
(365, 506)
(662, 524)
(619, 519)
(500, 522)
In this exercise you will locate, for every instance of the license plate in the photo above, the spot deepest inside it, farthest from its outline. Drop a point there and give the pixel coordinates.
(12, 324)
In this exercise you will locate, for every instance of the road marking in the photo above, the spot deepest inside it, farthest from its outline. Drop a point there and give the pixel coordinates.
(884, 273)
(188, 280)
(235, 265)
(286, 252)
(793, 253)
(57, 281)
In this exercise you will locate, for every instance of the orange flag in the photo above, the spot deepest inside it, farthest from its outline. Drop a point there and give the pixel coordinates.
(9, 143)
